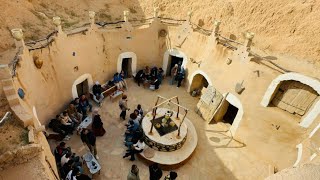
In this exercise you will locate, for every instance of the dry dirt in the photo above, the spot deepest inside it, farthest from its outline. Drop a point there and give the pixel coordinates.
(285, 27)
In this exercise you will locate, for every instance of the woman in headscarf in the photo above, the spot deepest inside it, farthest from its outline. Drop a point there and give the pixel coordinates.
(97, 124)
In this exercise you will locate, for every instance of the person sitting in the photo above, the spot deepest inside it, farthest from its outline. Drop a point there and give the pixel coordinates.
(147, 73)
(154, 72)
(76, 103)
(154, 85)
(57, 127)
(160, 75)
(97, 126)
(135, 149)
(84, 104)
(171, 176)
(97, 93)
(66, 123)
(66, 168)
(140, 77)
(74, 114)
(59, 151)
(74, 174)
(119, 81)
(65, 158)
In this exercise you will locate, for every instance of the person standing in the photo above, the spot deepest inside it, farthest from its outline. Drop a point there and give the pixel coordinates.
(180, 75)
(155, 172)
(88, 138)
(174, 72)
(123, 106)
(133, 173)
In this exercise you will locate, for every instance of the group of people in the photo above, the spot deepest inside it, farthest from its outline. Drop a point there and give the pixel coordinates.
(118, 80)
(154, 171)
(70, 165)
(152, 77)
(177, 74)
(133, 136)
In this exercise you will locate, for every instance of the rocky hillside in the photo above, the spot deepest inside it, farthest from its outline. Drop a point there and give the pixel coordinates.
(285, 27)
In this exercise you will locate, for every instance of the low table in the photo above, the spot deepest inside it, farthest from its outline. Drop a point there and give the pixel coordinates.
(91, 162)
(85, 123)
(116, 94)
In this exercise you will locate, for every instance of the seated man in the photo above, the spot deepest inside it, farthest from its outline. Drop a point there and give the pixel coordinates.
(135, 149)
(119, 81)
(57, 127)
(66, 124)
(74, 114)
(97, 93)
(84, 104)
(140, 77)
(60, 150)
(154, 85)
(76, 103)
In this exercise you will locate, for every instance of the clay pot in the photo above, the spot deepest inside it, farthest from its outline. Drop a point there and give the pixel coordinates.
(37, 62)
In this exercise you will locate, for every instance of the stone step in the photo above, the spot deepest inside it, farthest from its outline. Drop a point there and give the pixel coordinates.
(13, 99)
(23, 115)
(7, 82)
(9, 90)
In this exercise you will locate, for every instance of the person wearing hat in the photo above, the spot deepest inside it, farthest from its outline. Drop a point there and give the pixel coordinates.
(97, 93)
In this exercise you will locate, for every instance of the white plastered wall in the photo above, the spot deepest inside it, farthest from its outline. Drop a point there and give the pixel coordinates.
(131, 55)
(173, 52)
(80, 80)
(314, 83)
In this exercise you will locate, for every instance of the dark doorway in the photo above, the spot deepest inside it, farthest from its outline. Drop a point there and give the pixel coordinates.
(83, 88)
(172, 61)
(126, 67)
(230, 114)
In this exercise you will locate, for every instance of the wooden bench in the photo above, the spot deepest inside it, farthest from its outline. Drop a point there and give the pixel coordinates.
(111, 92)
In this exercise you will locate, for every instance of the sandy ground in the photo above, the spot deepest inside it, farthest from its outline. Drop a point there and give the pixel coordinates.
(217, 156)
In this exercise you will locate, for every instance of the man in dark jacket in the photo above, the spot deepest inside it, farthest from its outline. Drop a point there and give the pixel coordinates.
(88, 138)
(97, 93)
(155, 172)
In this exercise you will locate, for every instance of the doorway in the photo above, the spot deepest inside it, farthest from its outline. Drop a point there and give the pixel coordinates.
(198, 83)
(126, 66)
(83, 88)
(231, 114)
(172, 61)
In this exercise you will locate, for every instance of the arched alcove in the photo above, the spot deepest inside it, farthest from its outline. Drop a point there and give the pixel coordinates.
(273, 88)
(131, 59)
(83, 78)
(168, 59)
(194, 75)
(234, 101)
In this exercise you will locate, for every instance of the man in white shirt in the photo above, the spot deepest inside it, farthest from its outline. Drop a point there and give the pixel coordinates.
(65, 158)
(135, 149)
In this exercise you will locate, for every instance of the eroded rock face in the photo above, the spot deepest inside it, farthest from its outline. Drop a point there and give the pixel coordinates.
(286, 27)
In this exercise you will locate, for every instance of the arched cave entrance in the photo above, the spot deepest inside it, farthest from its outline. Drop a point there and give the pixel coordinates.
(172, 57)
(296, 94)
(197, 84)
(127, 62)
(230, 111)
(82, 85)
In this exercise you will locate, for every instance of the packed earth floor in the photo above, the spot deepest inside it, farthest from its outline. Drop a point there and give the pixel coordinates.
(217, 156)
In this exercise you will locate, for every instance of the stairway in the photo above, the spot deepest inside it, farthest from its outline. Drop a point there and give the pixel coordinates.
(13, 99)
